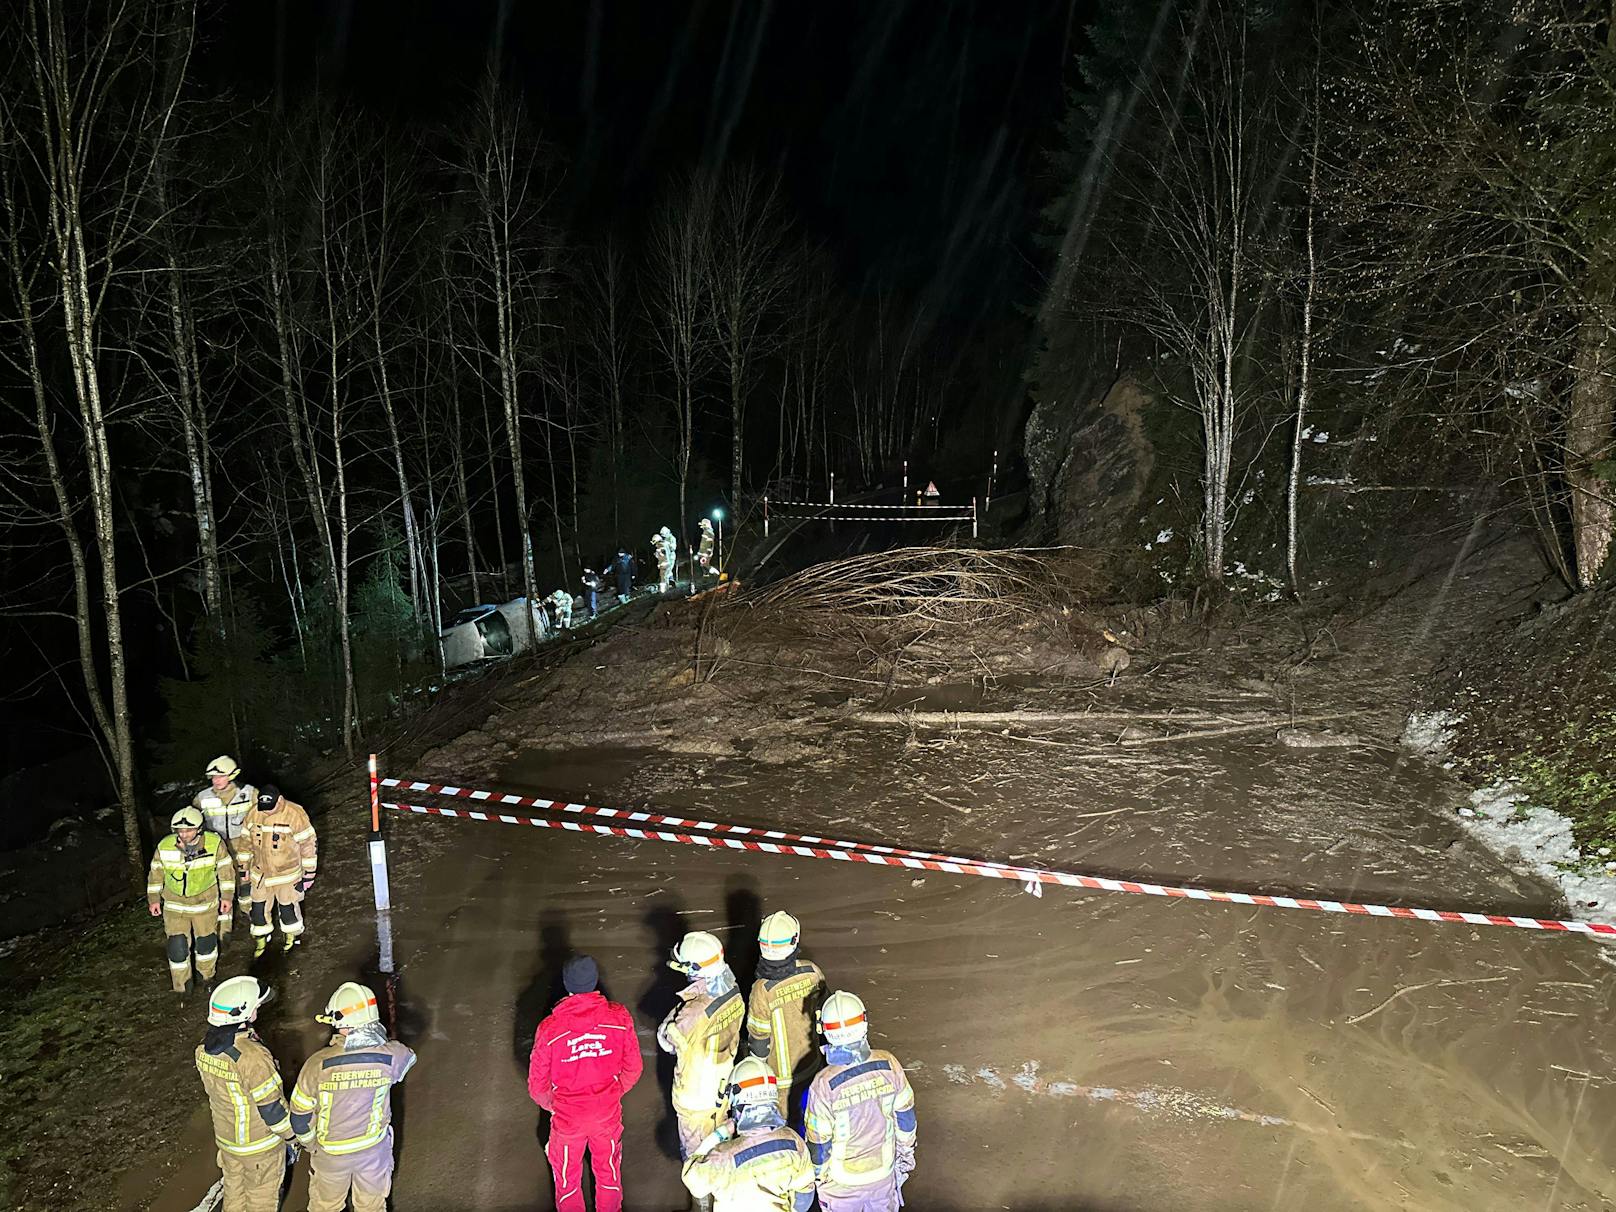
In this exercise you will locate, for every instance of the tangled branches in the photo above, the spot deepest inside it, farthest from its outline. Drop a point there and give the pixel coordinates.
(928, 587)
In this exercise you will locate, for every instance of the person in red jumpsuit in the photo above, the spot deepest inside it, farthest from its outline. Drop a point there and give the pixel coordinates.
(586, 1056)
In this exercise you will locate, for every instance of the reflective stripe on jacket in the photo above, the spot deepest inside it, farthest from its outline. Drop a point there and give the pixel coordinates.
(342, 1102)
(279, 845)
(245, 1097)
(224, 813)
(702, 1035)
(189, 882)
(861, 1122)
(755, 1172)
(780, 1014)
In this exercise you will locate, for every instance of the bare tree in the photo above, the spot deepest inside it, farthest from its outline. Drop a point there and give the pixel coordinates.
(751, 271)
(506, 249)
(678, 298)
(1191, 272)
(97, 109)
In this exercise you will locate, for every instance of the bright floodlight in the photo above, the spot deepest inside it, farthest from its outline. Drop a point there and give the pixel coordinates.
(718, 515)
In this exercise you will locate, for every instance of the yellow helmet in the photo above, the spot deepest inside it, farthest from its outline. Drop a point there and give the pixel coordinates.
(753, 1081)
(186, 818)
(352, 1005)
(224, 765)
(778, 936)
(696, 952)
(842, 1019)
(237, 1000)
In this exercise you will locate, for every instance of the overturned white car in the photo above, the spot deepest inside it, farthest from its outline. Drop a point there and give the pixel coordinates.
(482, 632)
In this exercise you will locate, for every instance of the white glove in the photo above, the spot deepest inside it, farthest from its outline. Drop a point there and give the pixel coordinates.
(713, 1139)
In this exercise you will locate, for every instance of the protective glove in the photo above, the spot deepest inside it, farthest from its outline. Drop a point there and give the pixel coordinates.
(225, 908)
(713, 1139)
(305, 883)
(155, 910)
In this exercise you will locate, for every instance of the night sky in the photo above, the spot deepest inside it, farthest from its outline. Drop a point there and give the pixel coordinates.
(910, 133)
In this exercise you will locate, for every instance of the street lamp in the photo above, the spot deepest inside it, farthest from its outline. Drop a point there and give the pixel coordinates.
(718, 563)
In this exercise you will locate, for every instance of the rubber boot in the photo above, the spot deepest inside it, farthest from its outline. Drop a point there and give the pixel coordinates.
(288, 941)
(260, 944)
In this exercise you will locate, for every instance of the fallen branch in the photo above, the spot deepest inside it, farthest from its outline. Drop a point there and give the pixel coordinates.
(1203, 733)
(1004, 719)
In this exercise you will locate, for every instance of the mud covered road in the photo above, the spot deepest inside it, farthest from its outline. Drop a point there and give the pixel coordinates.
(1078, 1051)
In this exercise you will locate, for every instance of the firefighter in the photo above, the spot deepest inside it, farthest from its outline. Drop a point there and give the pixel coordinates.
(251, 1125)
(561, 603)
(593, 584)
(701, 1033)
(585, 1057)
(667, 558)
(860, 1116)
(342, 1110)
(756, 1163)
(664, 561)
(704, 553)
(780, 1012)
(278, 847)
(189, 885)
(224, 804)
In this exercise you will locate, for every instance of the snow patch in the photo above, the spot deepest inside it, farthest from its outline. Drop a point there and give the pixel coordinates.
(1538, 841)
(1430, 733)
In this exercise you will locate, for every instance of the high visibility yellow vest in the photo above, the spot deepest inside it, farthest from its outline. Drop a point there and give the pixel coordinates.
(186, 878)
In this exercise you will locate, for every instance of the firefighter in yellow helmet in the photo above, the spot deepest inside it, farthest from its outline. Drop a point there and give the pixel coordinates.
(224, 804)
(755, 1163)
(189, 886)
(279, 848)
(701, 1033)
(251, 1126)
(342, 1110)
(860, 1116)
(780, 1012)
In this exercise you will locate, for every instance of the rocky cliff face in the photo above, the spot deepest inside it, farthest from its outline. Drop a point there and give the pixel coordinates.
(1089, 462)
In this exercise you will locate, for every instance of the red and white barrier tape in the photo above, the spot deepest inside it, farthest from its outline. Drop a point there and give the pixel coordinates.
(773, 505)
(853, 517)
(856, 852)
(676, 822)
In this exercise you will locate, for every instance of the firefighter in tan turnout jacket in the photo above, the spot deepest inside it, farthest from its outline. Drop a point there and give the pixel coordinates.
(781, 1013)
(224, 804)
(251, 1125)
(278, 858)
(342, 1105)
(189, 885)
(701, 1033)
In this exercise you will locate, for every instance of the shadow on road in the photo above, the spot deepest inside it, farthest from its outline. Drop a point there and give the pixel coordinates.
(667, 925)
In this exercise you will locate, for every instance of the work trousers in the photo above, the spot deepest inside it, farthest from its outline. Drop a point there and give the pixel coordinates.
(283, 904)
(190, 937)
(253, 1184)
(876, 1197)
(368, 1174)
(566, 1154)
(695, 1127)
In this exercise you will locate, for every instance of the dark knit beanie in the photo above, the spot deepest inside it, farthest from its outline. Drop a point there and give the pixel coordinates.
(580, 974)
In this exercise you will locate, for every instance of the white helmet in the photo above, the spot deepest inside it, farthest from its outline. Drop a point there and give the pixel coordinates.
(842, 1020)
(778, 935)
(752, 1082)
(352, 1005)
(697, 952)
(224, 765)
(186, 818)
(706, 523)
(237, 1000)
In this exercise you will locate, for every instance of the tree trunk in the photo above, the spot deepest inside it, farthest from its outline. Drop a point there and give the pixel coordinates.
(1590, 428)
(1293, 489)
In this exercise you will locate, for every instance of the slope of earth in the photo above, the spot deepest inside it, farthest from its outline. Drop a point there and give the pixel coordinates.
(1074, 1051)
